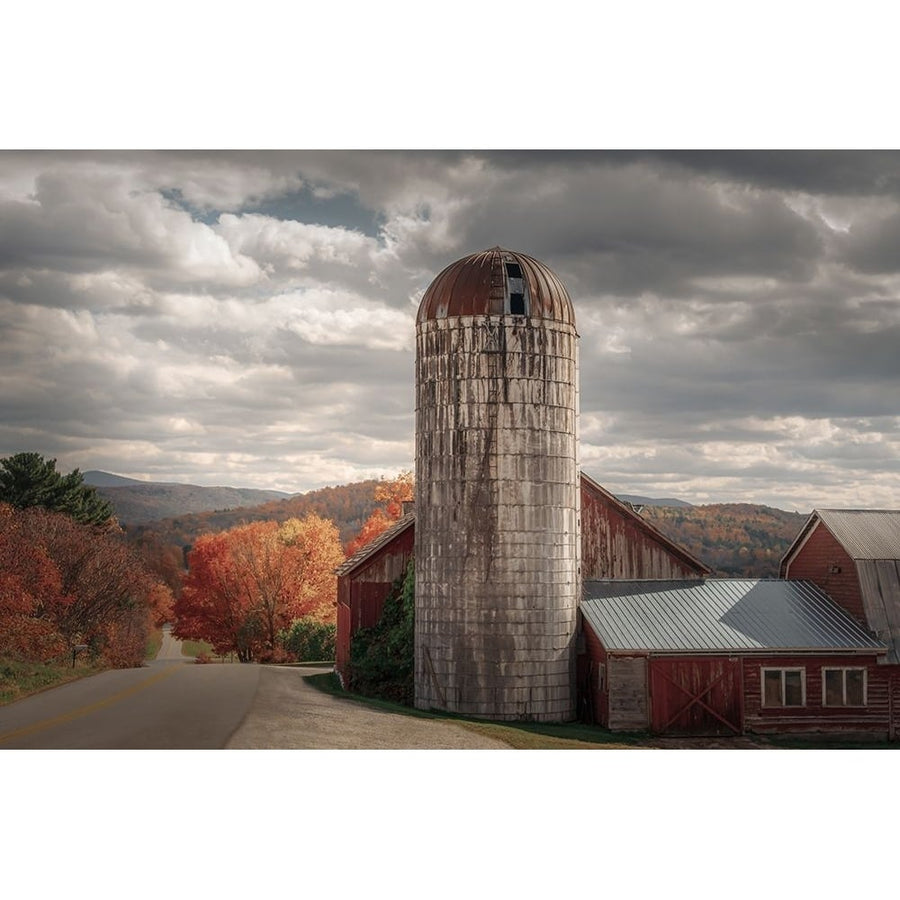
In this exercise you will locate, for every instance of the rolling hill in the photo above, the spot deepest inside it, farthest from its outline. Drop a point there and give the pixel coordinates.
(139, 502)
(734, 539)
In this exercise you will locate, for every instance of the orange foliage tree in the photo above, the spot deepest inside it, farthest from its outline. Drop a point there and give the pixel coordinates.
(64, 583)
(245, 585)
(392, 494)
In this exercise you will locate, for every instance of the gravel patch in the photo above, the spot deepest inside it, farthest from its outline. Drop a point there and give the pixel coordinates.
(289, 714)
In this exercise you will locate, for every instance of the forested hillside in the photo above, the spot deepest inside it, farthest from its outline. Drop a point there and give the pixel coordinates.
(139, 503)
(735, 539)
(348, 506)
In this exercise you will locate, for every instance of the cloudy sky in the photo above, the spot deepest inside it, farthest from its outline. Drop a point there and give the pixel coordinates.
(247, 318)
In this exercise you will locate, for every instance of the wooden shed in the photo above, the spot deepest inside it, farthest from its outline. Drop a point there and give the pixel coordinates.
(364, 582)
(730, 656)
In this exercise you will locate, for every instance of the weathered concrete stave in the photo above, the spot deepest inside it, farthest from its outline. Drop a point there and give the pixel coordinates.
(497, 518)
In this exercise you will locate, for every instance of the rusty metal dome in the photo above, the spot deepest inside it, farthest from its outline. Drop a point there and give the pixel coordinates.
(497, 282)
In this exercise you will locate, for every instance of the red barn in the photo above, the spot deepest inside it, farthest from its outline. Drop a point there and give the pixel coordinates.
(364, 582)
(615, 542)
(730, 656)
(854, 555)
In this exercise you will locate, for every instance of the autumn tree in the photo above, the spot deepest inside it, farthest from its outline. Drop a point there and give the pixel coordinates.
(391, 494)
(245, 585)
(29, 588)
(64, 583)
(28, 480)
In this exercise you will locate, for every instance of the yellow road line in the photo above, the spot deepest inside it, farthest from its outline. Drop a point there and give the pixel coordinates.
(93, 707)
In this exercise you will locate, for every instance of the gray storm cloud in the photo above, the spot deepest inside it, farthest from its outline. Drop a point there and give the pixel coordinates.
(247, 318)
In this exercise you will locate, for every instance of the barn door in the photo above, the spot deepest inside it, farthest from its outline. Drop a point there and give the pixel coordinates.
(696, 696)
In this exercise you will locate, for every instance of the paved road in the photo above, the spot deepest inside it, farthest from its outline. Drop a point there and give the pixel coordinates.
(174, 704)
(169, 704)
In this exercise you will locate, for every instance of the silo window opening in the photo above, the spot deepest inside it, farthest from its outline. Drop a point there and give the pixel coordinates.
(515, 287)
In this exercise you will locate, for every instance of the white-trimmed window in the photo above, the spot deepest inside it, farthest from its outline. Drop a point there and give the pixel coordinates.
(844, 686)
(783, 687)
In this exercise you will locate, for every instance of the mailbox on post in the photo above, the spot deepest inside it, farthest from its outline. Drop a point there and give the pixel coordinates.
(76, 650)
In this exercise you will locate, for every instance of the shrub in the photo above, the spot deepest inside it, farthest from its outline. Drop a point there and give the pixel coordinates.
(308, 640)
(381, 657)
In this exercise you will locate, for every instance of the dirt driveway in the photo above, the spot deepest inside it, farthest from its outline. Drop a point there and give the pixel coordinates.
(287, 714)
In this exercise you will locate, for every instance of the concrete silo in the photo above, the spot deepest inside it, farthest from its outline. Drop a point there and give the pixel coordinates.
(497, 496)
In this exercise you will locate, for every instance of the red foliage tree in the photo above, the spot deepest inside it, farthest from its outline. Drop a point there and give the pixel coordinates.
(247, 584)
(64, 583)
(30, 587)
(392, 494)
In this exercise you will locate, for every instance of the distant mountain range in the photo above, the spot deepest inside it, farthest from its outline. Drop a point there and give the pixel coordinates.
(634, 500)
(138, 502)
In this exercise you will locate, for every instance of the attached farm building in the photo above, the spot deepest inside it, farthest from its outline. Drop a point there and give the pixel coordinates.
(728, 656)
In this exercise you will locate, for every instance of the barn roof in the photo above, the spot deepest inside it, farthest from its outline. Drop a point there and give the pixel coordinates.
(865, 533)
(719, 615)
(481, 284)
(871, 538)
(370, 549)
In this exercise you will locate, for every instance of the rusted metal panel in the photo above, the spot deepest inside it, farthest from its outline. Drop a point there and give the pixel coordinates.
(696, 695)
(618, 543)
(478, 285)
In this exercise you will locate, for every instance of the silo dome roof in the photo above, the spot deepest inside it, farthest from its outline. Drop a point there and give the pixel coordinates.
(497, 282)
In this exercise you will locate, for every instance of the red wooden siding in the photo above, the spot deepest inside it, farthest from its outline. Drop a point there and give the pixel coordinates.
(592, 680)
(699, 695)
(617, 543)
(873, 718)
(815, 560)
(362, 592)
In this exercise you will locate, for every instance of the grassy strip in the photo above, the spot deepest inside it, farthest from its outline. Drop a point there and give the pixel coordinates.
(20, 679)
(154, 642)
(518, 735)
(195, 648)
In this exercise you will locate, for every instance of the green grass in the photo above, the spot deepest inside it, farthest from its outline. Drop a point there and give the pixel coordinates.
(19, 679)
(154, 642)
(518, 735)
(195, 648)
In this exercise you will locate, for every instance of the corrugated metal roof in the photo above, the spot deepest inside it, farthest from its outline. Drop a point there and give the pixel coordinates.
(479, 285)
(375, 544)
(720, 614)
(865, 533)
